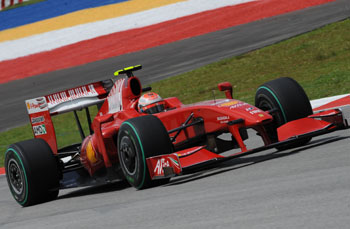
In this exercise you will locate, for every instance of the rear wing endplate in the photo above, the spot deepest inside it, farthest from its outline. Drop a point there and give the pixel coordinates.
(42, 108)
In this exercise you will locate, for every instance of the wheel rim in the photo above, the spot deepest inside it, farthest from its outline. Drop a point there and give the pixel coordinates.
(265, 105)
(128, 155)
(16, 176)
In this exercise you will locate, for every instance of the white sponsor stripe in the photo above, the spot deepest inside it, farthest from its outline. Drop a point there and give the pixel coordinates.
(59, 38)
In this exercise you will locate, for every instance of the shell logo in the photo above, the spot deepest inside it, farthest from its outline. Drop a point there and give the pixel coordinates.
(227, 104)
(90, 153)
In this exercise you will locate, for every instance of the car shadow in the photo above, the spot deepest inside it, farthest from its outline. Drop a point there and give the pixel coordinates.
(212, 170)
(91, 190)
(242, 162)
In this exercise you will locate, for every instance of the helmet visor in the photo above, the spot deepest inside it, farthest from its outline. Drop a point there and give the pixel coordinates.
(154, 108)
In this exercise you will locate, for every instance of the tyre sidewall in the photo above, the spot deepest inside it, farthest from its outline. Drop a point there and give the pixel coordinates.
(137, 178)
(292, 103)
(150, 138)
(288, 96)
(265, 95)
(40, 168)
(13, 154)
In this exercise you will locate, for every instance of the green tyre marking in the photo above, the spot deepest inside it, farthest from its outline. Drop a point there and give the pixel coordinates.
(129, 178)
(279, 104)
(143, 154)
(25, 176)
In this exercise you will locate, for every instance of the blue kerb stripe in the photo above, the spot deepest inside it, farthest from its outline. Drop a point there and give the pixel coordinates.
(45, 10)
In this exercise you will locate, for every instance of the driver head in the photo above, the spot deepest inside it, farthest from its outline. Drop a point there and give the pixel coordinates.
(151, 103)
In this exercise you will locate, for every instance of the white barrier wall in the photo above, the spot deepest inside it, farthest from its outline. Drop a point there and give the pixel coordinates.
(7, 3)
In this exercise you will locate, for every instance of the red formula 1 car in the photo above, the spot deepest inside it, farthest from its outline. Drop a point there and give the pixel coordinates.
(147, 143)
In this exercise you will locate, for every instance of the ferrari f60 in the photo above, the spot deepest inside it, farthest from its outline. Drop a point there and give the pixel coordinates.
(147, 144)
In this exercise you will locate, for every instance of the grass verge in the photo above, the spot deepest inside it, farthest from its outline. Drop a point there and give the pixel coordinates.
(319, 61)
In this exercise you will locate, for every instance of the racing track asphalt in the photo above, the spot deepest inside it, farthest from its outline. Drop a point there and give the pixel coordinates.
(307, 187)
(170, 59)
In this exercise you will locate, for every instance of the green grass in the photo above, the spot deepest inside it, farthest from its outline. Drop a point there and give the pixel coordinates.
(319, 61)
(22, 4)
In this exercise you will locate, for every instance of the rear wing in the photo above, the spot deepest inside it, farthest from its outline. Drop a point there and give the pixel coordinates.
(42, 108)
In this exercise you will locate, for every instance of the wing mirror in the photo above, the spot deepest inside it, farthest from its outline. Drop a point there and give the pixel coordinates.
(227, 88)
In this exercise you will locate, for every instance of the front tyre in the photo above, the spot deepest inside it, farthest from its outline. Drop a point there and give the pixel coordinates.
(290, 102)
(138, 139)
(31, 172)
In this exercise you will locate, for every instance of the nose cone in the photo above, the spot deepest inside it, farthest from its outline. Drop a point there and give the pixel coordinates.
(251, 114)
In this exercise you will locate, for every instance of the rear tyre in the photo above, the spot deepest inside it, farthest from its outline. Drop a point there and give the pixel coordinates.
(32, 172)
(138, 139)
(289, 100)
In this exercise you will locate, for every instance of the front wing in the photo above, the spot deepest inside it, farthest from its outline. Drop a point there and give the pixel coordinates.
(189, 160)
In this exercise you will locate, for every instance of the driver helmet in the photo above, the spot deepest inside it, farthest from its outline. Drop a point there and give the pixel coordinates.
(151, 103)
